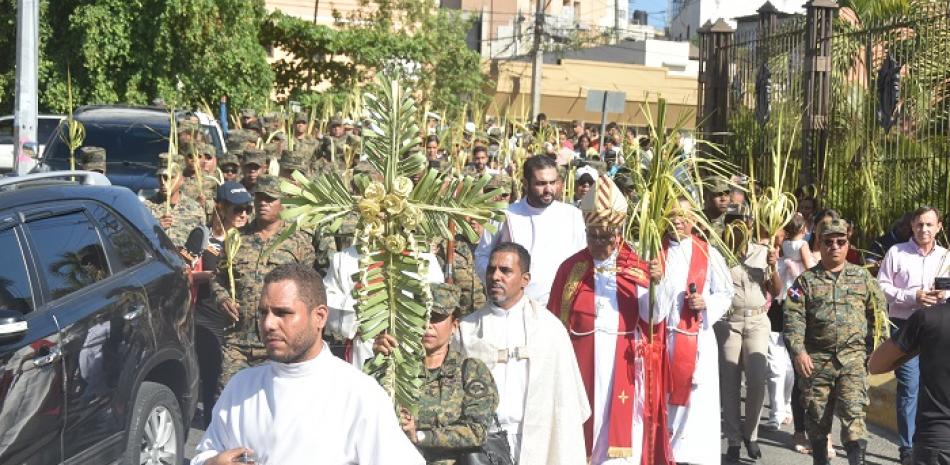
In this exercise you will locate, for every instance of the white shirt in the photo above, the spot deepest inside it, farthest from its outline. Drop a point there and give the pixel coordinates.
(321, 411)
(551, 235)
(506, 328)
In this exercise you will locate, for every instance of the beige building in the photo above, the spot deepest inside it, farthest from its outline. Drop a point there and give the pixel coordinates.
(565, 82)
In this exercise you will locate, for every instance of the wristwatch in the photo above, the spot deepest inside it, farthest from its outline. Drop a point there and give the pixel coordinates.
(420, 436)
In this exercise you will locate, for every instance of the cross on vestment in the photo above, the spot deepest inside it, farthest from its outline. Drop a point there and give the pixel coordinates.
(623, 397)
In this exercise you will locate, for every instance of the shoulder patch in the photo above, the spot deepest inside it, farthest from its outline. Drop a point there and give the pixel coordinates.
(795, 293)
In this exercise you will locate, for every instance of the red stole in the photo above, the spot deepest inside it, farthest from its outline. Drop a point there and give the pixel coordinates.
(572, 299)
(683, 362)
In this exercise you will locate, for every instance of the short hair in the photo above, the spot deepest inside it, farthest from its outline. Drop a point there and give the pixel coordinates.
(432, 138)
(542, 117)
(923, 211)
(309, 283)
(479, 148)
(524, 258)
(536, 163)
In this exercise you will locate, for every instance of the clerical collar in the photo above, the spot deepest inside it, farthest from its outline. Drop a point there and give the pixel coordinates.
(498, 311)
(532, 210)
(301, 369)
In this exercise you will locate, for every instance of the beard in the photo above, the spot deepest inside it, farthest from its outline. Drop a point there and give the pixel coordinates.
(297, 348)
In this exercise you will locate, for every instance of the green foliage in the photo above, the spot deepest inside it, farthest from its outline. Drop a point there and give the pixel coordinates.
(448, 76)
(132, 51)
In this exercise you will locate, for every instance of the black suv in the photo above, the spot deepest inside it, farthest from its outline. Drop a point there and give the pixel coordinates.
(132, 136)
(97, 360)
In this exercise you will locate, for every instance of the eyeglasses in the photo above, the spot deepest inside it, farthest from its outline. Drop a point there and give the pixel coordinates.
(238, 209)
(829, 243)
(229, 169)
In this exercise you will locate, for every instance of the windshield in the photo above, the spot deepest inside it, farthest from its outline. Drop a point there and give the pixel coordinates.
(44, 128)
(134, 143)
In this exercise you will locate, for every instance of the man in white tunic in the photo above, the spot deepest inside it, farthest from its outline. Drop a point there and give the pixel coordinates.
(550, 230)
(542, 402)
(304, 406)
(602, 294)
(342, 322)
(702, 289)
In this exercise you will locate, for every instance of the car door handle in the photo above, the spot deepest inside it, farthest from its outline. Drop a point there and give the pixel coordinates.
(54, 355)
(134, 313)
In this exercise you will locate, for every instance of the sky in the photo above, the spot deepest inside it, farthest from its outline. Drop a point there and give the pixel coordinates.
(656, 9)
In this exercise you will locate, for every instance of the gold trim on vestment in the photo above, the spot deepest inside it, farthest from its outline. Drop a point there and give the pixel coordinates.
(570, 287)
(619, 452)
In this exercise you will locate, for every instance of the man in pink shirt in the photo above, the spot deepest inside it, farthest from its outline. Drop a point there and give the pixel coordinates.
(907, 278)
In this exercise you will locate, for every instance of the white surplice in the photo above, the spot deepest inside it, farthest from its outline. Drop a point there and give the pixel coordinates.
(342, 322)
(318, 412)
(542, 401)
(606, 324)
(551, 235)
(695, 428)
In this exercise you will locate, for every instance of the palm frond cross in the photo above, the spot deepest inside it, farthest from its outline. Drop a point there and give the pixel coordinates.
(398, 215)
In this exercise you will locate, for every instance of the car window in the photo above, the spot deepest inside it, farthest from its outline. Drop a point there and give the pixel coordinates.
(69, 253)
(129, 250)
(123, 143)
(6, 131)
(45, 128)
(15, 292)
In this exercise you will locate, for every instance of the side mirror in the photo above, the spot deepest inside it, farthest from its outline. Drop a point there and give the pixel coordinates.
(12, 326)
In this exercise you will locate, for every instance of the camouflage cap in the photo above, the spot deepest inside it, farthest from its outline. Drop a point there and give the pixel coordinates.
(500, 181)
(248, 113)
(206, 149)
(292, 161)
(834, 227)
(301, 117)
(230, 158)
(255, 156)
(269, 185)
(335, 121)
(445, 298)
(188, 125)
(187, 150)
(363, 167)
(717, 185)
(92, 158)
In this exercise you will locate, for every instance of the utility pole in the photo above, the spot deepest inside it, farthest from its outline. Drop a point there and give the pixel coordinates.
(617, 21)
(538, 61)
(27, 59)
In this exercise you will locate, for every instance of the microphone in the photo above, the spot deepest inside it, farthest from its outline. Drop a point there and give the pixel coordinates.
(692, 288)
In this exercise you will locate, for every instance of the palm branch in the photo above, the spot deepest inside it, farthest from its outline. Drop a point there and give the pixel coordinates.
(397, 217)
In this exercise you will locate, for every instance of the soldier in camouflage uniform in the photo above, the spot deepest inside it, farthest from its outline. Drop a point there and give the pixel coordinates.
(230, 166)
(335, 143)
(462, 272)
(829, 321)
(185, 214)
(92, 159)
(242, 346)
(718, 194)
(255, 165)
(459, 396)
(200, 185)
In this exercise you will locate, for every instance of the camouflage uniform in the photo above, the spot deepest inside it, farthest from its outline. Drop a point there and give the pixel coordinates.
(186, 214)
(294, 161)
(458, 399)
(462, 273)
(831, 319)
(337, 144)
(242, 347)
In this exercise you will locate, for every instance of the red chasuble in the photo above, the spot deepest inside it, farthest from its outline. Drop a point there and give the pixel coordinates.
(572, 300)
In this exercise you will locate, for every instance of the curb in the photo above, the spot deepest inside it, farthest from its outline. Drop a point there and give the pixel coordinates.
(882, 393)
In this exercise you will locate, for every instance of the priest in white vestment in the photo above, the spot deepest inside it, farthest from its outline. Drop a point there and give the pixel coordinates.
(602, 294)
(304, 406)
(702, 287)
(542, 403)
(549, 229)
(342, 322)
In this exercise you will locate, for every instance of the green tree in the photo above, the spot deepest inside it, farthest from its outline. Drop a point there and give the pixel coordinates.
(131, 51)
(384, 33)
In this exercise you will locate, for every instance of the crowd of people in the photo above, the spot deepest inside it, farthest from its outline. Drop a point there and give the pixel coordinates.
(553, 334)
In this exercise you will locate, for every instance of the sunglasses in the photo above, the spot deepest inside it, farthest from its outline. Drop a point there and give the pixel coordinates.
(238, 209)
(835, 243)
(229, 169)
(438, 317)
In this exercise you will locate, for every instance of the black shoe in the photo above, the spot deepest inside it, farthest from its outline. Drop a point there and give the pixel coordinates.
(732, 453)
(855, 450)
(819, 452)
(752, 448)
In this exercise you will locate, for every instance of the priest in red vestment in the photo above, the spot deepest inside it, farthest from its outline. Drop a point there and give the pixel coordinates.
(602, 295)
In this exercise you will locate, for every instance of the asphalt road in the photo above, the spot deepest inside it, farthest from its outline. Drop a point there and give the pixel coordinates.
(776, 447)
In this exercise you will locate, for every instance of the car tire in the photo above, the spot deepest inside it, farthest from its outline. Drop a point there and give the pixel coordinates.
(157, 432)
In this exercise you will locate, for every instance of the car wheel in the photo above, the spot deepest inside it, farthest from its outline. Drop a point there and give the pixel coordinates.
(157, 433)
